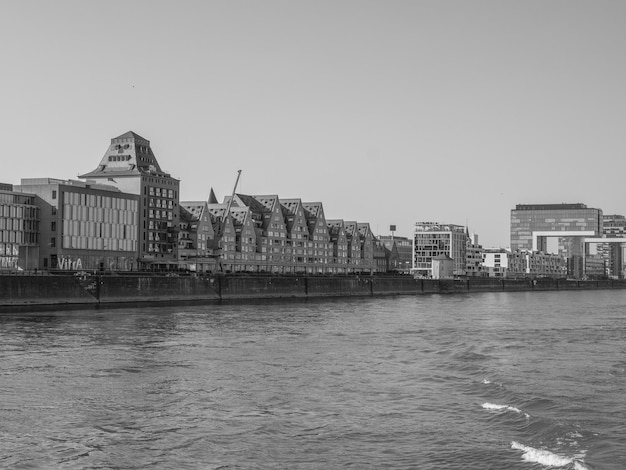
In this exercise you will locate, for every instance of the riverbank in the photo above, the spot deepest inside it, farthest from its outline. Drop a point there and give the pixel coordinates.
(36, 291)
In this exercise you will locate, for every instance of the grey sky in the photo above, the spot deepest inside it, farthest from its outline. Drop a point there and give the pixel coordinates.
(388, 112)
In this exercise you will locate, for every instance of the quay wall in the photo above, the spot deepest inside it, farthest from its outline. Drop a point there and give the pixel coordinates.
(155, 289)
(41, 290)
(87, 289)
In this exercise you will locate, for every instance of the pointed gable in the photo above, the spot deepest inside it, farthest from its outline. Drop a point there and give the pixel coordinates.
(293, 214)
(314, 213)
(212, 197)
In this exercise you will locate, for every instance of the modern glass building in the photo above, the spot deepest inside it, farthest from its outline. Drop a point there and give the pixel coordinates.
(533, 224)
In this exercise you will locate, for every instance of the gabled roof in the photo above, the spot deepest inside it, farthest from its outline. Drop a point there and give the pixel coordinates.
(243, 200)
(195, 208)
(269, 201)
(351, 229)
(239, 215)
(364, 229)
(335, 226)
(314, 209)
(290, 212)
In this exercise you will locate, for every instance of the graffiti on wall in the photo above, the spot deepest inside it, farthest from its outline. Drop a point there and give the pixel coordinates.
(66, 262)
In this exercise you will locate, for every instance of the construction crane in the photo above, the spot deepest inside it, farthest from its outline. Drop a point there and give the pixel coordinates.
(221, 225)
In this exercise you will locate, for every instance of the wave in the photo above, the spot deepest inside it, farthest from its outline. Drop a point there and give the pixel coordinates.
(486, 381)
(547, 458)
(492, 406)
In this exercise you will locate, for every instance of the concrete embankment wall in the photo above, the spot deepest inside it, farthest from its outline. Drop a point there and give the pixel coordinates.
(265, 287)
(27, 290)
(46, 290)
(156, 289)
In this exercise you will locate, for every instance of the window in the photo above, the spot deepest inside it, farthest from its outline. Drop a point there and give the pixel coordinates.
(54, 194)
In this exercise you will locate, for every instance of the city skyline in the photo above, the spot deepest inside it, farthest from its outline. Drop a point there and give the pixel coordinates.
(389, 113)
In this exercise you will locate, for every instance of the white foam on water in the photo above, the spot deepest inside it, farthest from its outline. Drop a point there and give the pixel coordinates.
(540, 456)
(486, 381)
(547, 458)
(492, 406)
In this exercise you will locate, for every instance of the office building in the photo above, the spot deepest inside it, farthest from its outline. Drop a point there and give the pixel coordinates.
(19, 230)
(534, 225)
(84, 226)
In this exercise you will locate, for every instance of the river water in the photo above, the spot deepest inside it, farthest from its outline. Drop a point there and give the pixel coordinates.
(464, 381)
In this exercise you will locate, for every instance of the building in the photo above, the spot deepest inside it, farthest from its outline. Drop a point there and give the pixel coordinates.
(196, 238)
(533, 225)
(442, 267)
(367, 247)
(433, 239)
(496, 262)
(404, 248)
(84, 226)
(339, 240)
(319, 232)
(536, 264)
(129, 164)
(614, 226)
(19, 230)
(299, 240)
(474, 256)
(386, 258)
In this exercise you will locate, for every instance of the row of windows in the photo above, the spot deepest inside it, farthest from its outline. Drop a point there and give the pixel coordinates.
(11, 198)
(20, 212)
(98, 243)
(99, 201)
(99, 229)
(160, 214)
(98, 214)
(119, 158)
(19, 224)
(161, 203)
(161, 192)
(160, 248)
(17, 236)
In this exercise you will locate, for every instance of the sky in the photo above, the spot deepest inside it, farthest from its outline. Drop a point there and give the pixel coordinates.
(388, 112)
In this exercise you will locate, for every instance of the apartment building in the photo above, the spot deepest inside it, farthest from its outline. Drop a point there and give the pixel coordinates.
(433, 239)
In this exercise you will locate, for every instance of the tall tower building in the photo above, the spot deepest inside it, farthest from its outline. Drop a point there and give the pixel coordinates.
(130, 165)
